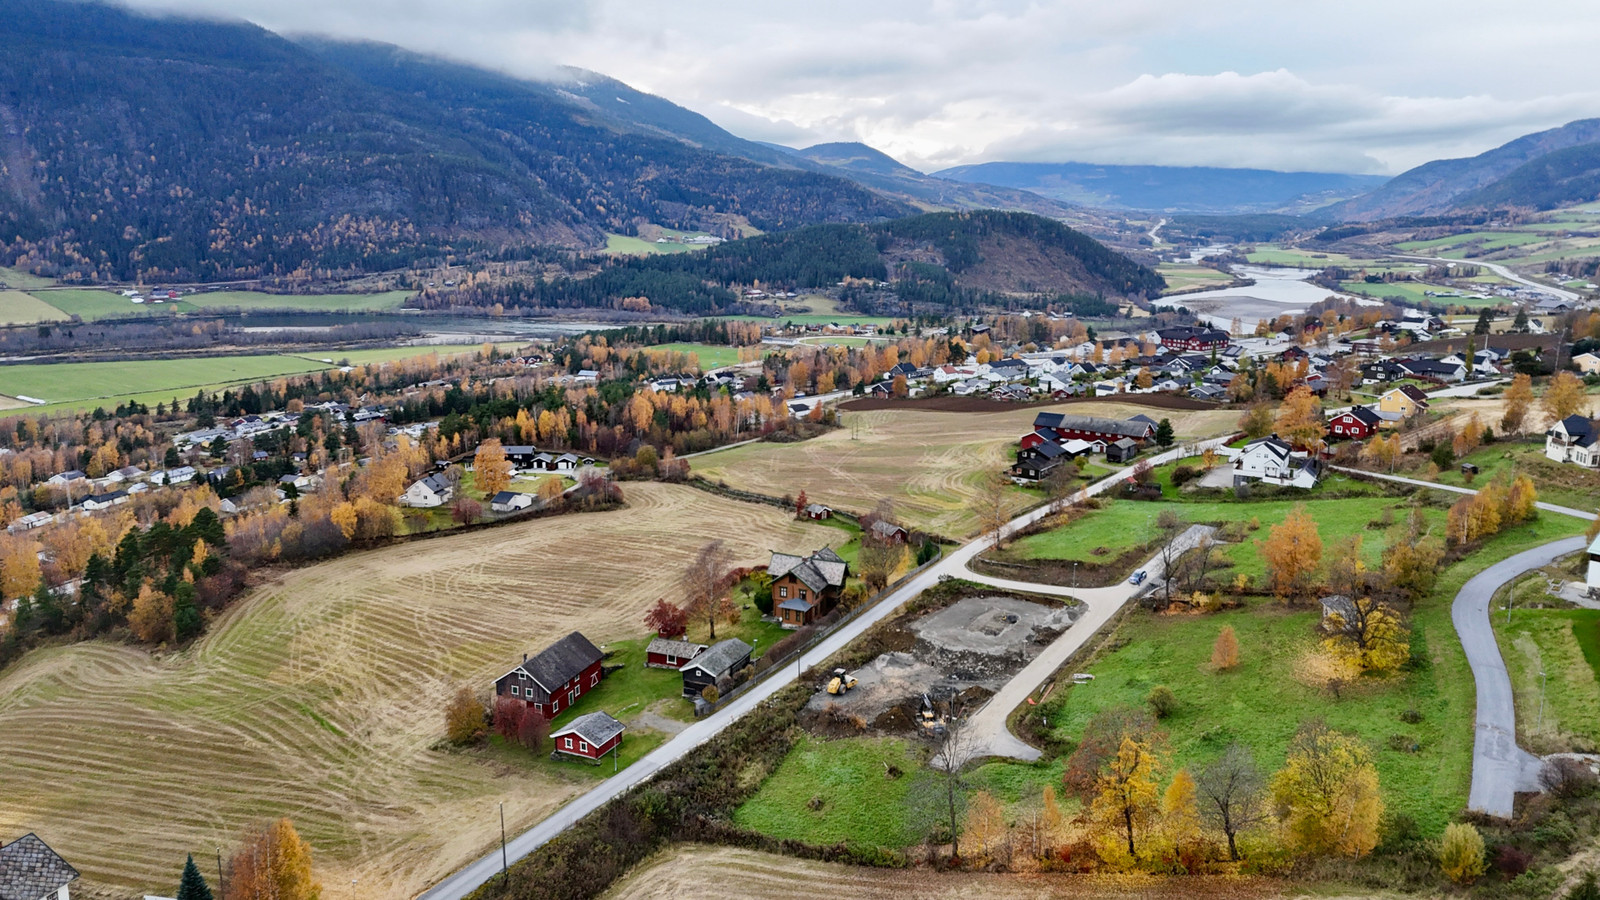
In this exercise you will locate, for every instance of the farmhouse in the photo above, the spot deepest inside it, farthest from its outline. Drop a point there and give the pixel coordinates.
(589, 736)
(556, 678)
(805, 588)
(30, 870)
(1575, 439)
(1038, 461)
(510, 501)
(1356, 422)
(428, 492)
(716, 666)
(1193, 337)
(668, 653)
(889, 533)
(1091, 428)
(1273, 461)
(1435, 370)
(1407, 400)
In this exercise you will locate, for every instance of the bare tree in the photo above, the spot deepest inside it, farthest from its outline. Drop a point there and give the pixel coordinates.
(1169, 525)
(1199, 563)
(704, 581)
(1059, 485)
(959, 747)
(1232, 793)
(991, 506)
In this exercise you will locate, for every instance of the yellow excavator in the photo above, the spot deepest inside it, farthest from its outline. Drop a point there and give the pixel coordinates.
(841, 681)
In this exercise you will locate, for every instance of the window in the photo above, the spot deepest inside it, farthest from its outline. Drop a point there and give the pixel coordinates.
(538, 707)
(783, 592)
(672, 660)
(568, 743)
(513, 690)
(583, 747)
(572, 695)
(802, 593)
(594, 679)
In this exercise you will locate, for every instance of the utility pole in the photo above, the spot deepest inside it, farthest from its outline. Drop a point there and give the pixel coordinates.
(222, 881)
(505, 864)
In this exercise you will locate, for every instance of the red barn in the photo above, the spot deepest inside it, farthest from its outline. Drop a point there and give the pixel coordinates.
(556, 678)
(1089, 428)
(590, 736)
(1193, 338)
(1357, 422)
(666, 653)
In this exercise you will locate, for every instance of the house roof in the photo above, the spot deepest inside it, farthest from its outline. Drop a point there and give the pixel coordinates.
(1363, 415)
(1049, 450)
(888, 529)
(1581, 429)
(107, 498)
(1124, 443)
(720, 657)
(674, 647)
(435, 482)
(1272, 445)
(795, 604)
(29, 870)
(819, 571)
(505, 497)
(562, 661)
(1413, 392)
(595, 728)
(1338, 603)
(815, 508)
(1097, 424)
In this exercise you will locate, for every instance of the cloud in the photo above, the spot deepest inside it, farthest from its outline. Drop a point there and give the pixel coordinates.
(1362, 86)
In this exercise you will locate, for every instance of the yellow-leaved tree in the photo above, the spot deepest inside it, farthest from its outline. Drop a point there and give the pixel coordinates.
(1328, 790)
(1292, 551)
(1461, 853)
(985, 827)
(273, 864)
(1518, 398)
(1126, 801)
(1564, 396)
(1369, 634)
(490, 468)
(1225, 651)
(1180, 817)
(1299, 419)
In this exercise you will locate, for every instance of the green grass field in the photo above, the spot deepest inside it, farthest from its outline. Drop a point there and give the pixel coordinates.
(90, 304)
(860, 802)
(17, 308)
(711, 357)
(1416, 292)
(1275, 255)
(623, 245)
(1180, 276)
(814, 319)
(1565, 645)
(20, 280)
(1558, 483)
(90, 384)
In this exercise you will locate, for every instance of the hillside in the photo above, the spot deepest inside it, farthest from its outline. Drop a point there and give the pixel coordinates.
(1444, 184)
(1169, 188)
(1555, 179)
(943, 261)
(881, 172)
(177, 149)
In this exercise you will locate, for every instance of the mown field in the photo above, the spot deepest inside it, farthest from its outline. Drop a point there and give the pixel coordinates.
(1180, 276)
(18, 308)
(1564, 644)
(933, 465)
(94, 303)
(711, 356)
(726, 873)
(319, 697)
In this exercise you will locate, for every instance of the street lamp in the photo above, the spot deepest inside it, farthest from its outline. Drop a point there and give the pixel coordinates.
(1074, 574)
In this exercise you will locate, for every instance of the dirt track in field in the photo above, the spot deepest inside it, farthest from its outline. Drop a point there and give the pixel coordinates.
(715, 873)
(320, 697)
(931, 464)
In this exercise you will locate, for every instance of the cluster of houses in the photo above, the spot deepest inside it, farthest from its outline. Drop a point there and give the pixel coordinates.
(435, 490)
(1058, 438)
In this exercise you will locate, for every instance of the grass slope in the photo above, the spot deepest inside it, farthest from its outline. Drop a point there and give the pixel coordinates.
(860, 803)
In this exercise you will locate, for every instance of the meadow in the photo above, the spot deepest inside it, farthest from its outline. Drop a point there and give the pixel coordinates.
(711, 356)
(319, 696)
(93, 303)
(932, 465)
(1181, 276)
(18, 308)
(1564, 644)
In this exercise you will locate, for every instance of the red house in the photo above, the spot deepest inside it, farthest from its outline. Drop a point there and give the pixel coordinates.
(556, 678)
(1194, 338)
(1087, 428)
(1357, 422)
(666, 653)
(590, 736)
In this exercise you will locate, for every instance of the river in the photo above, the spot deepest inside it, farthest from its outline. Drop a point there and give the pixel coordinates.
(1276, 292)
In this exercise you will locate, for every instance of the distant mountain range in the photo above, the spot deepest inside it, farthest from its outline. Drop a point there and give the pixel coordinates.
(1170, 189)
(1541, 170)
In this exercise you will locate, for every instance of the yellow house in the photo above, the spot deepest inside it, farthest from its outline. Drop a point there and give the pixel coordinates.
(1408, 400)
(1587, 363)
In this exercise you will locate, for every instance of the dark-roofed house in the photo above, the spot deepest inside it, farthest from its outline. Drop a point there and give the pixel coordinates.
(428, 492)
(671, 653)
(1121, 451)
(590, 736)
(1575, 439)
(1192, 337)
(510, 501)
(1274, 461)
(105, 501)
(1038, 461)
(724, 660)
(556, 678)
(1357, 422)
(30, 870)
(805, 588)
(1092, 428)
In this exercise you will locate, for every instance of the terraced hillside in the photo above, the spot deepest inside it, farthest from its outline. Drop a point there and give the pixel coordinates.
(319, 697)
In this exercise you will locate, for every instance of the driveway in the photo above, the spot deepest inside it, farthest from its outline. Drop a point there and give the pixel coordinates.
(1499, 767)
(987, 726)
(1400, 479)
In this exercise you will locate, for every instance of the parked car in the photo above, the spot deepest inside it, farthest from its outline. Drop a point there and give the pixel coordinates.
(1138, 577)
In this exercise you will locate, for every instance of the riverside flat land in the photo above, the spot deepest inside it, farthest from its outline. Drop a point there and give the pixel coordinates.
(933, 465)
(319, 696)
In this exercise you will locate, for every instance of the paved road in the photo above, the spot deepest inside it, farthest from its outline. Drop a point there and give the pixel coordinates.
(954, 564)
(1499, 767)
(1547, 507)
(991, 737)
(1505, 273)
(1468, 389)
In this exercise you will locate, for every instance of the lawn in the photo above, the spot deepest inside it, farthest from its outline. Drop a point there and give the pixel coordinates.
(710, 356)
(1416, 292)
(861, 801)
(1565, 645)
(90, 384)
(1181, 276)
(1267, 253)
(635, 688)
(17, 308)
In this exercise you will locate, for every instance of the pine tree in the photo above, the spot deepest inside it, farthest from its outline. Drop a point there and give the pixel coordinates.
(1164, 435)
(193, 886)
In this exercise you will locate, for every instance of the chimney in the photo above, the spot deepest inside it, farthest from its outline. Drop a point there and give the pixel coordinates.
(524, 657)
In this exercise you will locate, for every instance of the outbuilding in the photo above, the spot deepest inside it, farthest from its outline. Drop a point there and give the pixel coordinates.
(670, 653)
(723, 660)
(589, 736)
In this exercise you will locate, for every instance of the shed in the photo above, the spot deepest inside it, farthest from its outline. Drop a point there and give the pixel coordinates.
(669, 653)
(723, 660)
(589, 736)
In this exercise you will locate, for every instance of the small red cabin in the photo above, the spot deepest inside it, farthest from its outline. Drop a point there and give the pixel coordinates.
(1357, 422)
(667, 653)
(590, 736)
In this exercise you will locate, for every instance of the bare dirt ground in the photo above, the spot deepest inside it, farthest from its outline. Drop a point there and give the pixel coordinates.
(320, 697)
(714, 873)
(931, 464)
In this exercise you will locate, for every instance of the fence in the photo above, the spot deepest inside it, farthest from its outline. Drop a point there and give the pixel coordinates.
(702, 708)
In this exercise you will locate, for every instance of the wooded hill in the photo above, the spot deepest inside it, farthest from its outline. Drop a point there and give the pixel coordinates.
(948, 261)
(170, 149)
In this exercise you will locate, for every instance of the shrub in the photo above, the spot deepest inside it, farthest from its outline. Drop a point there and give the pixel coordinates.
(1183, 475)
(1566, 778)
(1225, 652)
(1461, 853)
(463, 718)
(710, 694)
(1511, 861)
(1586, 889)
(1163, 702)
(1411, 716)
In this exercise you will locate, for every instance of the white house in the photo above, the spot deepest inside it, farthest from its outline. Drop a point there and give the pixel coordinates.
(176, 476)
(1275, 462)
(428, 492)
(510, 501)
(66, 477)
(97, 502)
(1574, 440)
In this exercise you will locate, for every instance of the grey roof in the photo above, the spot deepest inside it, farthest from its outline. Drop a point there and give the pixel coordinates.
(1338, 603)
(673, 647)
(436, 483)
(1096, 424)
(721, 657)
(595, 727)
(505, 497)
(815, 508)
(560, 662)
(30, 870)
(887, 529)
(795, 604)
(107, 498)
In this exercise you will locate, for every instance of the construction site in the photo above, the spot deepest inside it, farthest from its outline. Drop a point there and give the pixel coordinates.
(935, 659)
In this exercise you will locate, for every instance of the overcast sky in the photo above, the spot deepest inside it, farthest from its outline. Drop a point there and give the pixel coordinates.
(1332, 85)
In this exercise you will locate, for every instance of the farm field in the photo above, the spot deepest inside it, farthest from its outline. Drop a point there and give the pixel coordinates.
(1416, 292)
(711, 356)
(248, 300)
(859, 804)
(319, 697)
(1276, 653)
(20, 280)
(18, 308)
(90, 384)
(931, 464)
(1293, 256)
(90, 304)
(727, 873)
(624, 245)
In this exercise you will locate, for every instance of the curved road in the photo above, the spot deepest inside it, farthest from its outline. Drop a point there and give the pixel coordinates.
(1505, 273)
(954, 565)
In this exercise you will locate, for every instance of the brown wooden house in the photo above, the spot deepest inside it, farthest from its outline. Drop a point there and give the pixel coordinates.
(806, 588)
